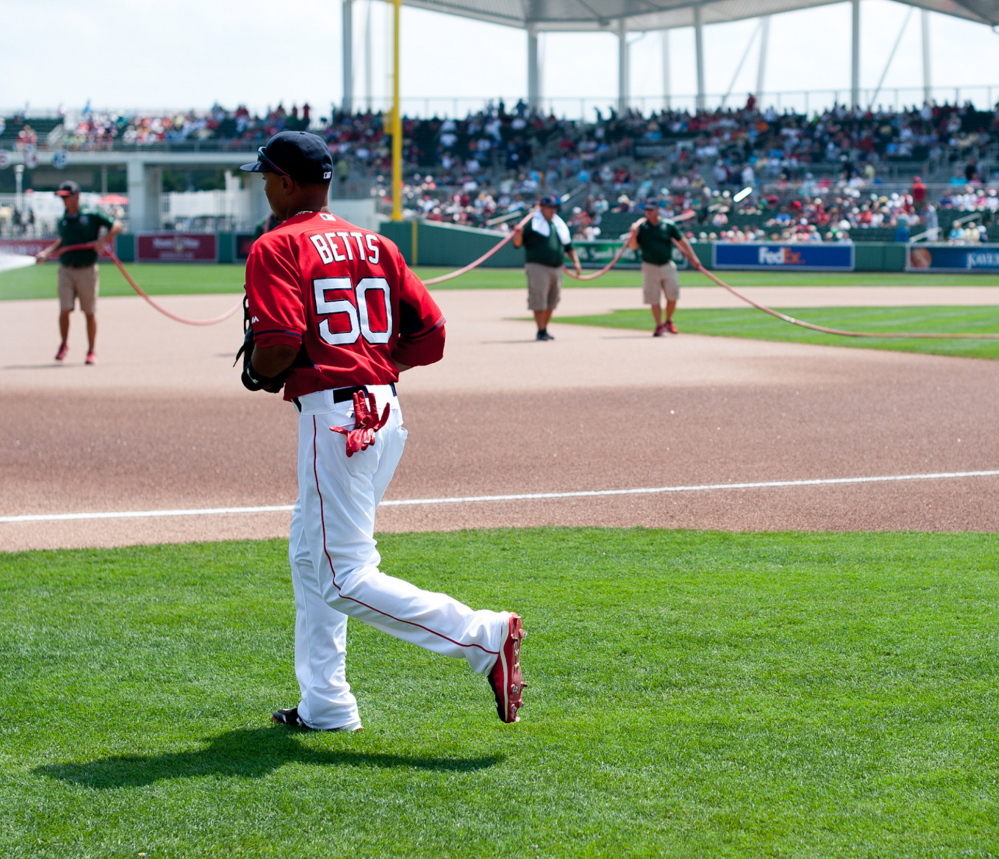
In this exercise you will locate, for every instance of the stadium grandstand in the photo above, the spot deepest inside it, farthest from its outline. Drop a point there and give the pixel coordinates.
(840, 170)
(754, 171)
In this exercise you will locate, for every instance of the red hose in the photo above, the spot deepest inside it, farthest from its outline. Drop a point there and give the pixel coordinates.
(480, 260)
(696, 263)
(138, 289)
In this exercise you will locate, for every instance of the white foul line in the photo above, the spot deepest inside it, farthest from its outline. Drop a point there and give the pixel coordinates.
(534, 496)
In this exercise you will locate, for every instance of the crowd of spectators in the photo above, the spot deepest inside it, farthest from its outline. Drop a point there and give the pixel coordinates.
(812, 178)
(97, 129)
(732, 144)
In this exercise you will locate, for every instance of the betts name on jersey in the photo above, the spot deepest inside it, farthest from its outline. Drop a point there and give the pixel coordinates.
(345, 298)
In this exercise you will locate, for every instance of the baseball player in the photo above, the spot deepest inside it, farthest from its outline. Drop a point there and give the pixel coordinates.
(79, 276)
(334, 316)
(654, 236)
(546, 242)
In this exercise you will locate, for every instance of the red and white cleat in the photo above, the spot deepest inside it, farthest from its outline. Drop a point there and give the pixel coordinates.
(505, 677)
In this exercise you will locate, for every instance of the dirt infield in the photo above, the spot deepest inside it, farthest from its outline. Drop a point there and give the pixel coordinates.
(162, 424)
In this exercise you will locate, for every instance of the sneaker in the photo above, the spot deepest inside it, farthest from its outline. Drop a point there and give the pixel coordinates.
(91, 358)
(659, 331)
(291, 719)
(63, 349)
(544, 335)
(505, 677)
(669, 326)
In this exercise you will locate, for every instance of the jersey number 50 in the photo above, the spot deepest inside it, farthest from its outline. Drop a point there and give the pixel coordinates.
(356, 307)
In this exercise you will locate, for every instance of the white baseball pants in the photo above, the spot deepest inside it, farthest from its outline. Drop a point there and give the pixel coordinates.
(334, 564)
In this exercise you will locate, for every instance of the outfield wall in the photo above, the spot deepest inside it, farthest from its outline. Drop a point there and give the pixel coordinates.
(444, 246)
(432, 244)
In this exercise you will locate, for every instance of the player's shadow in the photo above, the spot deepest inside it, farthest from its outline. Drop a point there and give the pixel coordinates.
(35, 366)
(247, 754)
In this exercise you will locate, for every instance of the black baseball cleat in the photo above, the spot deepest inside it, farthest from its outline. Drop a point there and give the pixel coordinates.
(543, 335)
(290, 718)
(505, 676)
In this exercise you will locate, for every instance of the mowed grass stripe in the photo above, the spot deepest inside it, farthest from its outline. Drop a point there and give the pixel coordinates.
(754, 324)
(691, 694)
(38, 282)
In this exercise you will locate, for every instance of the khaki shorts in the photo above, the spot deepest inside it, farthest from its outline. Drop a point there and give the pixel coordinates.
(79, 282)
(659, 279)
(544, 286)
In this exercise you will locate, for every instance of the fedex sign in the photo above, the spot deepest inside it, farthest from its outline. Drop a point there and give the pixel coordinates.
(778, 256)
(816, 257)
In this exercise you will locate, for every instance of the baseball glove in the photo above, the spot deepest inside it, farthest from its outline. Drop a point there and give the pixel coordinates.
(251, 379)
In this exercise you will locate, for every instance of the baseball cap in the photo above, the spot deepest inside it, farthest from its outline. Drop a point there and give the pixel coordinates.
(652, 203)
(549, 201)
(68, 188)
(299, 155)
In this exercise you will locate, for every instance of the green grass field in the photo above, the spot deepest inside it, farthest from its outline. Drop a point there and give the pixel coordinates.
(178, 279)
(691, 694)
(755, 325)
(39, 282)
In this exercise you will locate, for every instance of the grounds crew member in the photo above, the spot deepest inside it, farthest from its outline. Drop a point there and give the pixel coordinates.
(546, 242)
(654, 236)
(79, 276)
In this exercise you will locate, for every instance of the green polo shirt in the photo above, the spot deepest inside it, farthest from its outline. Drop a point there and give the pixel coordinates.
(656, 242)
(80, 229)
(547, 250)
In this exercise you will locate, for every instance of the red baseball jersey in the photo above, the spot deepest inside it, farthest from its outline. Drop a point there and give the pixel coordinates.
(346, 298)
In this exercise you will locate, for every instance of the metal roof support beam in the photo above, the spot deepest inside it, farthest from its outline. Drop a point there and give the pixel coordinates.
(347, 53)
(855, 56)
(623, 68)
(764, 48)
(927, 81)
(533, 69)
(666, 81)
(699, 53)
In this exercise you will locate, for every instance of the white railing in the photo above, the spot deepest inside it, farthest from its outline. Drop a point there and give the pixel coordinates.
(983, 97)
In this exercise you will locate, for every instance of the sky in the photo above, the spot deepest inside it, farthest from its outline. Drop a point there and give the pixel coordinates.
(189, 54)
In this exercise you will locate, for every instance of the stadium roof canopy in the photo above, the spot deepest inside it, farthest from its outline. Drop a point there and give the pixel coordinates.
(661, 14)
(624, 16)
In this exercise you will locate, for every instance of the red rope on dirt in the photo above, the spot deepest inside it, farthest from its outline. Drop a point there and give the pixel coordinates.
(696, 263)
(683, 216)
(480, 260)
(604, 270)
(138, 289)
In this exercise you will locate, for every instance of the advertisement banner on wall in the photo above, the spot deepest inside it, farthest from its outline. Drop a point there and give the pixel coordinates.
(242, 243)
(789, 257)
(28, 247)
(597, 254)
(176, 247)
(963, 258)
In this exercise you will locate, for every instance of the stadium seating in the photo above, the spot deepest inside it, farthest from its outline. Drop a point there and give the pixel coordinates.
(847, 172)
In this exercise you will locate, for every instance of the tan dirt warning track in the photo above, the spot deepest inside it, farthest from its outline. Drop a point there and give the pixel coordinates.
(162, 424)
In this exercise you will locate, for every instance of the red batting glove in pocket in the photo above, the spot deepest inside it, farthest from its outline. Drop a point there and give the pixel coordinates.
(366, 423)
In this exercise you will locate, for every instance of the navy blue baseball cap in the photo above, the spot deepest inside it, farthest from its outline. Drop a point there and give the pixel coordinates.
(549, 201)
(298, 155)
(652, 203)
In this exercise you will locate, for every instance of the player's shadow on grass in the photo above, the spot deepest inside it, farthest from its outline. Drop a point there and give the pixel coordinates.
(247, 754)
